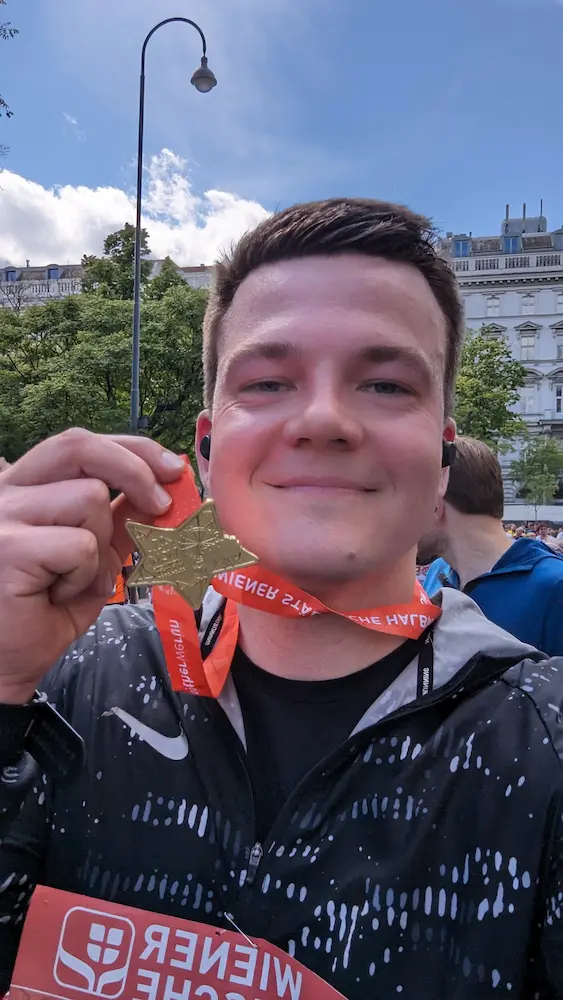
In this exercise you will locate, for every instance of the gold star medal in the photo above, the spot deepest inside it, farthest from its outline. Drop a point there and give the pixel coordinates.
(187, 557)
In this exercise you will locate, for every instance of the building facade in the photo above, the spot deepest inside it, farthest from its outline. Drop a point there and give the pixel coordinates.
(30, 286)
(513, 284)
(26, 286)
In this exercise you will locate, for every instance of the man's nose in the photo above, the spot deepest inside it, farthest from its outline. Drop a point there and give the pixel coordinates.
(325, 419)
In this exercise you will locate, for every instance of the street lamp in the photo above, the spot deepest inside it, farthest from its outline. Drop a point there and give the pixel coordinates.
(204, 81)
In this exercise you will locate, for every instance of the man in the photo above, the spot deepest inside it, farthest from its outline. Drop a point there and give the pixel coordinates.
(387, 811)
(517, 584)
(543, 532)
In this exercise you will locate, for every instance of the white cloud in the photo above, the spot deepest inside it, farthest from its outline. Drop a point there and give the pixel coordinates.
(58, 225)
(73, 125)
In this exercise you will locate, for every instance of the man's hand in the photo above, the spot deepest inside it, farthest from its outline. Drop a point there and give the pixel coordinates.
(62, 543)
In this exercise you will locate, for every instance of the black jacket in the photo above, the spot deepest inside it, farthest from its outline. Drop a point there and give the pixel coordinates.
(421, 859)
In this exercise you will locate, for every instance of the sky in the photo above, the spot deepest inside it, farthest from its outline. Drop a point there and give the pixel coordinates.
(453, 108)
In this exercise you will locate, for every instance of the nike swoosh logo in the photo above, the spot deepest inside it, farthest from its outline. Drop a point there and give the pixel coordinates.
(172, 747)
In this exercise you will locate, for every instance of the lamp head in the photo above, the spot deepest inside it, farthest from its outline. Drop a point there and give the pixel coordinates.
(203, 79)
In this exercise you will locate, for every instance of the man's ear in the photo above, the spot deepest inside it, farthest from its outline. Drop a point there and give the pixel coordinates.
(450, 430)
(440, 510)
(203, 430)
(443, 487)
(448, 436)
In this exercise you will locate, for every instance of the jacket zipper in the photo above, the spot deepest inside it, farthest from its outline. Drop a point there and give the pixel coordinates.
(257, 851)
(442, 694)
(451, 689)
(256, 855)
(412, 708)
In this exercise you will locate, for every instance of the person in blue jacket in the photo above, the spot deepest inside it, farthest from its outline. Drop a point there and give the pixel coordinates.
(517, 584)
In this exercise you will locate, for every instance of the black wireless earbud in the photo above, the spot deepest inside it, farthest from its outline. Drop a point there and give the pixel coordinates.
(448, 454)
(205, 447)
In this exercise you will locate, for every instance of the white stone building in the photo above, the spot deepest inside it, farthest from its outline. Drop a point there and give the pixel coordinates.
(26, 286)
(513, 283)
(198, 276)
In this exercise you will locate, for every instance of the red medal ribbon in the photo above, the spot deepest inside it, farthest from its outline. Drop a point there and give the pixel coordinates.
(73, 946)
(256, 587)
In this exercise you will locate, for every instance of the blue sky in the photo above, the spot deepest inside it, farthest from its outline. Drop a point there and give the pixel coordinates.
(453, 108)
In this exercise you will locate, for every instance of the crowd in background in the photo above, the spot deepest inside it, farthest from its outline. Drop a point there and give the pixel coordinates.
(551, 534)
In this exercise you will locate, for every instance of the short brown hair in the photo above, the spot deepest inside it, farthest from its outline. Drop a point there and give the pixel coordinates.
(338, 225)
(475, 485)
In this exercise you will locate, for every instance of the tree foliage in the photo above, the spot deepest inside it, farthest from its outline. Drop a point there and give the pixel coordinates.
(112, 275)
(167, 278)
(15, 295)
(487, 390)
(68, 362)
(538, 469)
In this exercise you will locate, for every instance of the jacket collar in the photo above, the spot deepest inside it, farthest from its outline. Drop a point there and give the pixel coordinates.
(521, 557)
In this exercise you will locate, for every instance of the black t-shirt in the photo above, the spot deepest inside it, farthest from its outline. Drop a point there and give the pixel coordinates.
(292, 725)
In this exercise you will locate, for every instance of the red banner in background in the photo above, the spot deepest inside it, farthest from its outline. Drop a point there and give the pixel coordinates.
(74, 947)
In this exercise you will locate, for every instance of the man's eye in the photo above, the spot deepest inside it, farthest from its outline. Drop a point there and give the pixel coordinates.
(385, 388)
(266, 385)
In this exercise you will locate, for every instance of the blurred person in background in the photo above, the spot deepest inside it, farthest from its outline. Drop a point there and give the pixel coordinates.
(518, 584)
(120, 594)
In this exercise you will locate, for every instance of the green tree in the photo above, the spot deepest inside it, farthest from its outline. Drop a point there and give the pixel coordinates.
(487, 390)
(168, 277)
(68, 363)
(538, 469)
(111, 276)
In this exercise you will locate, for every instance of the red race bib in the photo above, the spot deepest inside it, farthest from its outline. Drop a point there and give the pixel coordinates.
(74, 947)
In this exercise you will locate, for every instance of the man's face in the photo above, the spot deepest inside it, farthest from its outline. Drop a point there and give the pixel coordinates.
(328, 418)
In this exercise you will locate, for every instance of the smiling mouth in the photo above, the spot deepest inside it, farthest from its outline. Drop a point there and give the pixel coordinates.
(332, 486)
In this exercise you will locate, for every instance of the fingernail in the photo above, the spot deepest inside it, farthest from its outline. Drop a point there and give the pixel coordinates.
(162, 498)
(172, 461)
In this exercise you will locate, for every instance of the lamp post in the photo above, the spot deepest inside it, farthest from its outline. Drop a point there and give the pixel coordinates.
(204, 81)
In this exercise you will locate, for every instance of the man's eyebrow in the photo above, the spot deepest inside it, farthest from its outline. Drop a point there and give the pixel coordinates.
(269, 350)
(380, 353)
(372, 354)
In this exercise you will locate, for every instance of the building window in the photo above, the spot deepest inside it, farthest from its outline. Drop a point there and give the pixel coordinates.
(528, 399)
(495, 332)
(559, 302)
(528, 304)
(52, 273)
(527, 347)
(511, 244)
(10, 275)
(461, 248)
(493, 305)
(559, 353)
(559, 399)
